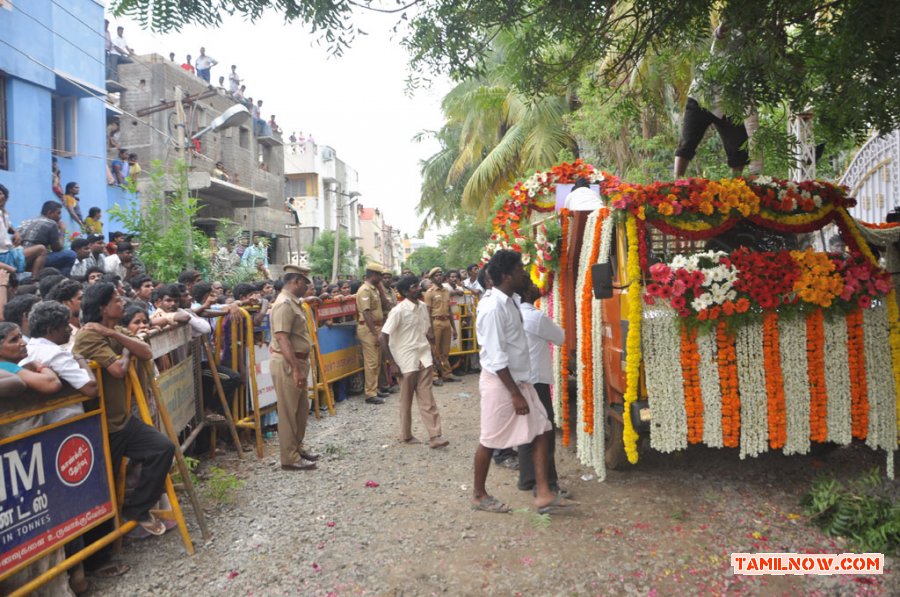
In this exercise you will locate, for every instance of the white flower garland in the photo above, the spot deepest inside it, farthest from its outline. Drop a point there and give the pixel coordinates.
(880, 384)
(583, 442)
(795, 372)
(598, 449)
(557, 357)
(661, 347)
(837, 381)
(708, 367)
(752, 384)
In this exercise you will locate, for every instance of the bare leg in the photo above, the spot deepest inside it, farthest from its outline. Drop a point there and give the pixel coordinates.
(35, 257)
(482, 464)
(541, 469)
(681, 165)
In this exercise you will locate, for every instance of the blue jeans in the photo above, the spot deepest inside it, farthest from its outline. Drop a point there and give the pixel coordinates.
(61, 260)
(203, 73)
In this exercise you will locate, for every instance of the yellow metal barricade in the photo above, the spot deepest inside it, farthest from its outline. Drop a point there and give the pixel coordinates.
(71, 472)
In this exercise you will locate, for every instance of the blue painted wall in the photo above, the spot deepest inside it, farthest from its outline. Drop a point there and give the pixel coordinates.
(57, 48)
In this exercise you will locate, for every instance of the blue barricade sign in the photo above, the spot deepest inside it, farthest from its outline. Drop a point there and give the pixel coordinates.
(55, 487)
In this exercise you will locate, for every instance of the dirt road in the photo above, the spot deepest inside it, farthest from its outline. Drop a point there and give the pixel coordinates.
(665, 528)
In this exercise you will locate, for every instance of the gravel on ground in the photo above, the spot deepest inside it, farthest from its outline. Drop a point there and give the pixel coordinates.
(380, 517)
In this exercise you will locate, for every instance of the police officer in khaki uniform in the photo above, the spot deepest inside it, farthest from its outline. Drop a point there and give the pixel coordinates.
(290, 367)
(438, 301)
(370, 317)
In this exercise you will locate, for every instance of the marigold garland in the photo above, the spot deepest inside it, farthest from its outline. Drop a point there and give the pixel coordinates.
(818, 393)
(690, 368)
(587, 312)
(893, 310)
(728, 384)
(564, 366)
(856, 355)
(633, 342)
(777, 418)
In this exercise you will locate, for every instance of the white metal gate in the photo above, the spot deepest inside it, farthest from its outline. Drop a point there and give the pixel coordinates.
(874, 178)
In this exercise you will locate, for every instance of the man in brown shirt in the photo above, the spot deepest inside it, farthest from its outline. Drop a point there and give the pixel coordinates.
(437, 299)
(370, 317)
(101, 340)
(290, 368)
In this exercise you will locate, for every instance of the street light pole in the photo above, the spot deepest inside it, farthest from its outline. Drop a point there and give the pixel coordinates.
(337, 237)
(180, 142)
(337, 230)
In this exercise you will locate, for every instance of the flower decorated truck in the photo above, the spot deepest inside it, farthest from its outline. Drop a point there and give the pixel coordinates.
(700, 312)
(703, 314)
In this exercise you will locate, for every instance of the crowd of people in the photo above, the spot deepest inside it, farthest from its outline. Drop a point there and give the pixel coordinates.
(63, 307)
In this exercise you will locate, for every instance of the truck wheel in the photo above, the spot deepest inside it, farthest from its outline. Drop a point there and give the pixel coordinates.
(614, 446)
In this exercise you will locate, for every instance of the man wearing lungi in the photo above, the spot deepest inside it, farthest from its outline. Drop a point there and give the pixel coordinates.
(511, 412)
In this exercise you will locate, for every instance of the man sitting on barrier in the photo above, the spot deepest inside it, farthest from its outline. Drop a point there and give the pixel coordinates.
(101, 340)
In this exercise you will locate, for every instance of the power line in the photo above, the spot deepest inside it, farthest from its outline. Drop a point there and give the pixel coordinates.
(96, 31)
(90, 92)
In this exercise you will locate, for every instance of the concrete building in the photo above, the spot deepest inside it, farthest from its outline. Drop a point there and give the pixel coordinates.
(325, 192)
(379, 240)
(252, 195)
(52, 92)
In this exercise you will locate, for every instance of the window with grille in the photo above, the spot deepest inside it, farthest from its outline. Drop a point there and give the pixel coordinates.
(65, 125)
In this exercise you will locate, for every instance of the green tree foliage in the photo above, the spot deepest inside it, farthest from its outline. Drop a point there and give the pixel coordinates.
(838, 57)
(163, 221)
(423, 259)
(493, 134)
(465, 244)
(321, 256)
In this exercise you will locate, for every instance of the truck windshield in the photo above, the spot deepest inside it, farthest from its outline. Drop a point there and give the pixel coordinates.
(664, 247)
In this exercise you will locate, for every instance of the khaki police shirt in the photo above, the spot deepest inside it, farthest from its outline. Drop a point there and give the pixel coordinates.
(287, 315)
(438, 299)
(369, 299)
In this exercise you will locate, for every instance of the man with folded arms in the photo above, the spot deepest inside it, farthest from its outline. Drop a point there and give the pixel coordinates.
(290, 367)
(405, 336)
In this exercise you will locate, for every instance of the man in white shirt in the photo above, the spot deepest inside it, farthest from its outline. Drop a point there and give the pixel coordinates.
(234, 80)
(405, 336)
(204, 63)
(511, 412)
(48, 324)
(471, 282)
(582, 198)
(540, 331)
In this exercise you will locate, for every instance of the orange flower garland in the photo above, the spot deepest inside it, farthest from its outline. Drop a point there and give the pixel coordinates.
(856, 355)
(818, 393)
(728, 384)
(690, 369)
(564, 366)
(777, 416)
(587, 322)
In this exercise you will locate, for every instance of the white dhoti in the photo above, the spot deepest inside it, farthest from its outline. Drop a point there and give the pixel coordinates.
(501, 427)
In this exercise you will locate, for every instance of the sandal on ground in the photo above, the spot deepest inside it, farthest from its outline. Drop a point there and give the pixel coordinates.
(555, 505)
(214, 418)
(491, 504)
(79, 586)
(154, 526)
(110, 571)
(411, 441)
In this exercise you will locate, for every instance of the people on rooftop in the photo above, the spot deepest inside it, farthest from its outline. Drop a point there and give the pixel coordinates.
(188, 65)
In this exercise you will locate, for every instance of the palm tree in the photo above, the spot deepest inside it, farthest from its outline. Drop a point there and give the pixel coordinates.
(494, 134)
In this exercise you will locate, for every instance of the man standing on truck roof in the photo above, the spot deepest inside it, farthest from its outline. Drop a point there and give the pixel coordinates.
(511, 412)
(697, 119)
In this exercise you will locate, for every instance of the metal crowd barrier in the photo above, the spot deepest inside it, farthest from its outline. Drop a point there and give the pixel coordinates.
(59, 484)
